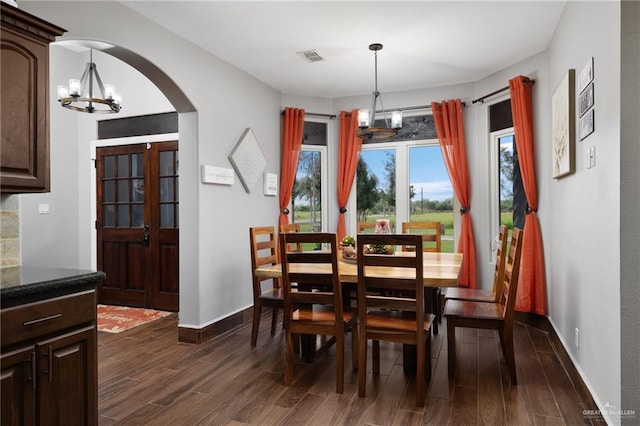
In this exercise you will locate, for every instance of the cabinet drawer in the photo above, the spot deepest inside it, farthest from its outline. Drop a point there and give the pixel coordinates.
(38, 319)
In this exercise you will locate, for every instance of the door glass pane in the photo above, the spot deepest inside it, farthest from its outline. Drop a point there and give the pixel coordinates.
(376, 186)
(137, 213)
(166, 163)
(108, 165)
(123, 216)
(307, 192)
(108, 191)
(505, 159)
(167, 215)
(430, 191)
(166, 189)
(109, 216)
(123, 190)
(123, 165)
(137, 165)
(137, 190)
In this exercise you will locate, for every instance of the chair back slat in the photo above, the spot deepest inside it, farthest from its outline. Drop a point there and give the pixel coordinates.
(511, 275)
(501, 257)
(291, 227)
(263, 250)
(431, 234)
(366, 227)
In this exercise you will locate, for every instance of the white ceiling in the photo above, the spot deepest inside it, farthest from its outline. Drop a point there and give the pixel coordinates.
(426, 43)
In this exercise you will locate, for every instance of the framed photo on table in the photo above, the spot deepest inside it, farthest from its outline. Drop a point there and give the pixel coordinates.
(563, 126)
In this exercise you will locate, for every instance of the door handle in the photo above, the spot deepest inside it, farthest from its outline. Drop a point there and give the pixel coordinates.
(146, 237)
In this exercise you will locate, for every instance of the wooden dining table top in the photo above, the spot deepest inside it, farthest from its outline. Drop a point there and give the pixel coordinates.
(439, 269)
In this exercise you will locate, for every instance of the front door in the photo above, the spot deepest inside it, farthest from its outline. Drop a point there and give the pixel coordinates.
(137, 225)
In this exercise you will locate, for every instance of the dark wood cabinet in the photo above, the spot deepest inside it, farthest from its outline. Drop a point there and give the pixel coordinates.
(49, 362)
(24, 100)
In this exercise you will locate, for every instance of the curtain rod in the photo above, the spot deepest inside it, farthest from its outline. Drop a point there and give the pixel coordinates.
(317, 114)
(481, 99)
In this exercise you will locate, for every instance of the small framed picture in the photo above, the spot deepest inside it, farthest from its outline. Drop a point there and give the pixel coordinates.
(586, 124)
(586, 75)
(585, 101)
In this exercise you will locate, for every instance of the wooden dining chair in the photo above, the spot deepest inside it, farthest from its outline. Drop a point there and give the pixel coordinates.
(291, 227)
(263, 253)
(391, 306)
(316, 305)
(489, 315)
(367, 227)
(483, 295)
(431, 242)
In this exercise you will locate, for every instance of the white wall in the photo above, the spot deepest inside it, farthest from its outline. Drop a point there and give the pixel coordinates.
(582, 235)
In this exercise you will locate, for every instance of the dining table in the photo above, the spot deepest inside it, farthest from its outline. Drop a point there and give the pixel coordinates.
(439, 270)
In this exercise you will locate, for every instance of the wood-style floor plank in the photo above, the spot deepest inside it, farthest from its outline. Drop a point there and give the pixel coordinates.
(146, 377)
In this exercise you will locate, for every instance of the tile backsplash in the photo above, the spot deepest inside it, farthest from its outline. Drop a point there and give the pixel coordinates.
(9, 231)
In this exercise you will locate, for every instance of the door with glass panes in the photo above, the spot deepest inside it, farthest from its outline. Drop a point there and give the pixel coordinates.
(137, 225)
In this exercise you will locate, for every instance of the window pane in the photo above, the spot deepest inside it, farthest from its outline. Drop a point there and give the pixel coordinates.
(166, 163)
(137, 190)
(376, 185)
(137, 212)
(108, 163)
(123, 190)
(123, 216)
(123, 165)
(430, 191)
(108, 191)
(166, 189)
(505, 160)
(137, 165)
(167, 215)
(307, 192)
(109, 216)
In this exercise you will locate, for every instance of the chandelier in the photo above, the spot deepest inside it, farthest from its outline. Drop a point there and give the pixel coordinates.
(366, 118)
(79, 95)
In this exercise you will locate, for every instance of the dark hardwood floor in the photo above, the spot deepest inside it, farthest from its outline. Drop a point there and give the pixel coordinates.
(147, 378)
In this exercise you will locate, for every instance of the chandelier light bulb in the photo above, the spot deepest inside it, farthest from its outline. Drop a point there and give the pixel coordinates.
(363, 118)
(74, 87)
(63, 91)
(109, 91)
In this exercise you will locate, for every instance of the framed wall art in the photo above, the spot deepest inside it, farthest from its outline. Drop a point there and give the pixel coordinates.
(585, 100)
(248, 160)
(586, 124)
(563, 126)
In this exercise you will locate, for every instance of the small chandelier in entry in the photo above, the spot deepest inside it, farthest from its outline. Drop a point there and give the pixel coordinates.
(79, 95)
(366, 118)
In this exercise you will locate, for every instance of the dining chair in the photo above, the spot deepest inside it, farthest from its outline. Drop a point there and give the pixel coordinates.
(291, 227)
(482, 295)
(264, 253)
(367, 227)
(316, 305)
(391, 306)
(489, 315)
(431, 242)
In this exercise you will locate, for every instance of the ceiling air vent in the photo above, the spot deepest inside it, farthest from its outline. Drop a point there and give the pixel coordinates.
(311, 55)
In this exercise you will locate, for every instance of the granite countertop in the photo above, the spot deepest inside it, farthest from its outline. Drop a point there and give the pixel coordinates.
(24, 284)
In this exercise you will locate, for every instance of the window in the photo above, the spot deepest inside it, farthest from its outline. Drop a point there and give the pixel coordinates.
(405, 179)
(309, 190)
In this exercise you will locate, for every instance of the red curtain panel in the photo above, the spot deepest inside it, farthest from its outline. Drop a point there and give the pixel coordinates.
(292, 134)
(348, 154)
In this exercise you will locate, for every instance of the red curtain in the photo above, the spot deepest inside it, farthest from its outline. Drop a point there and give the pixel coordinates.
(292, 134)
(450, 130)
(531, 285)
(348, 153)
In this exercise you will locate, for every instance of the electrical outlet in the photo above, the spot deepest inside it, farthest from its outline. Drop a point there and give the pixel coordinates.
(577, 337)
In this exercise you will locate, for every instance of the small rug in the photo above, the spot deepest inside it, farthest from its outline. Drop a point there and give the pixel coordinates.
(115, 319)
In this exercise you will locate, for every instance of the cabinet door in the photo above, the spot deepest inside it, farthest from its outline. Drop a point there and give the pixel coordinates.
(67, 379)
(24, 165)
(18, 387)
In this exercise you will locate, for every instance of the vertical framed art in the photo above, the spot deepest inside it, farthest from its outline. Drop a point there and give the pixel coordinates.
(563, 126)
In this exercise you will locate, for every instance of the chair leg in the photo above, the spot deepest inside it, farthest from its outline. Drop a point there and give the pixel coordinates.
(375, 355)
(257, 312)
(274, 320)
(420, 364)
(340, 363)
(427, 358)
(509, 355)
(362, 362)
(354, 346)
(288, 355)
(434, 309)
(451, 346)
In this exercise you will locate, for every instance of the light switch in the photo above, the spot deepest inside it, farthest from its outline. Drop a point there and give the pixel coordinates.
(43, 208)
(592, 157)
